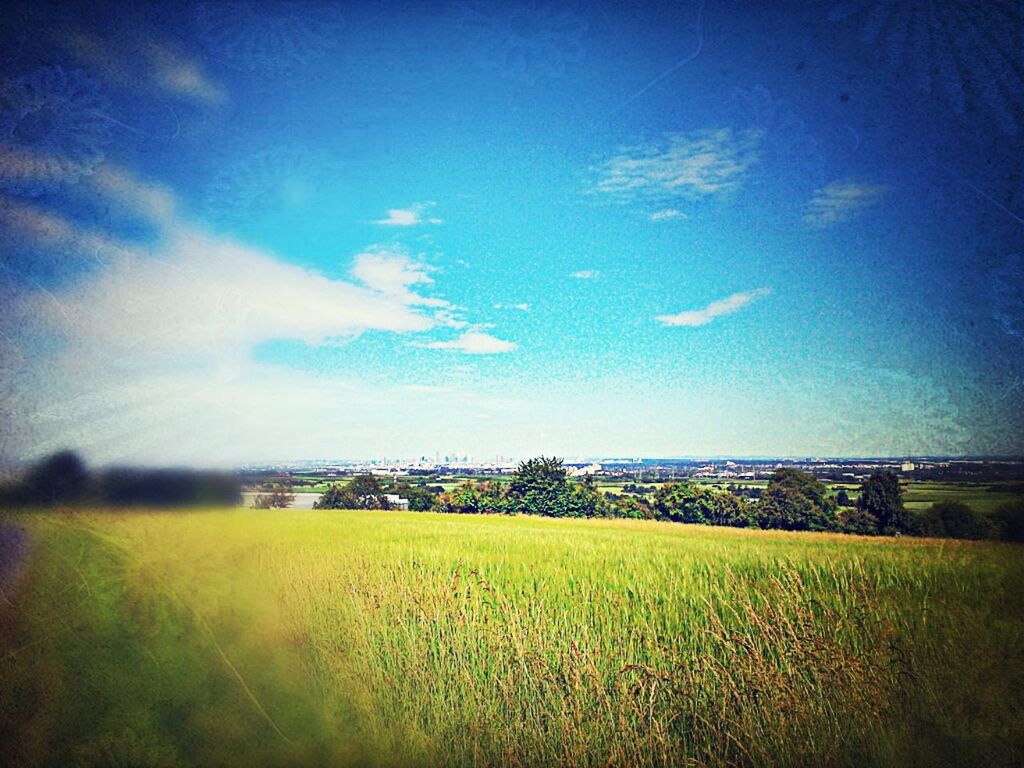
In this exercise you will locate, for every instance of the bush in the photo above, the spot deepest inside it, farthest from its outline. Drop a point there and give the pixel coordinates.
(280, 497)
(689, 503)
(952, 520)
(1008, 521)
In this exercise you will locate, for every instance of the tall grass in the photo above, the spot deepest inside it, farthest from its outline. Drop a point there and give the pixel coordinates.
(384, 637)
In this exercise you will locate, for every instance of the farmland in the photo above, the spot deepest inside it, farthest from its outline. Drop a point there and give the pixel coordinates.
(237, 637)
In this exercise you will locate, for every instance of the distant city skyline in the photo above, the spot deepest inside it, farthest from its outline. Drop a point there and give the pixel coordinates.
(234, 233)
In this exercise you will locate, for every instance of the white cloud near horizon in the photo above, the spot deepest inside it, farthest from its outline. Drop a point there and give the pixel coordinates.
(840, 201)
(587, 274)
(154, 338)
(409, 217)
(683, 166)
(473, 343)
(698, 317)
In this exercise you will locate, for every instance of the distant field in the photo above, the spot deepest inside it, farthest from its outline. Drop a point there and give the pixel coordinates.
(984, 498)
(381, 638)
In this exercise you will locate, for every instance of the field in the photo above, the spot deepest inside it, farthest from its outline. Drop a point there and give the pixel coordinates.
(239, 637)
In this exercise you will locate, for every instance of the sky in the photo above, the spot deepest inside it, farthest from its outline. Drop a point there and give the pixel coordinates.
(238, 233)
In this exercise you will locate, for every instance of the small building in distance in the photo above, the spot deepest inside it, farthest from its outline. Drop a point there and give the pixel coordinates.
(907, 466)
(396, 501)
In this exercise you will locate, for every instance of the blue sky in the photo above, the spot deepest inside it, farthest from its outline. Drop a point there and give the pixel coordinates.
(238, 233)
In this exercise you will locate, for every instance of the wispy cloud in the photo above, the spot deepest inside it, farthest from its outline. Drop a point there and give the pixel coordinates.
(666, 214)
(474, 343)
(587, 274)
(522, 306)
(136, 61)
(409, 217)
(695, 318)
(840, 201)
(683, 166)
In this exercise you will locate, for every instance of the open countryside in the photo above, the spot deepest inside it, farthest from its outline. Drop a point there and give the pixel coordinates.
(512, 384)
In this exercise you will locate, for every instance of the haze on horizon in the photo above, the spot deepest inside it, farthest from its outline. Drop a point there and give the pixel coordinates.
(237, 233)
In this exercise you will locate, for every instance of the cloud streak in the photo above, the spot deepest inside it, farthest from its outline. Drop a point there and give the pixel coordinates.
(840, 201)
(683, 166)
(474, 343)
(695, 318)
(409, 217)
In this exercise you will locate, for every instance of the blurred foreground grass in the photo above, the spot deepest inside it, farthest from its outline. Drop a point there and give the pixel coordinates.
(242, 637)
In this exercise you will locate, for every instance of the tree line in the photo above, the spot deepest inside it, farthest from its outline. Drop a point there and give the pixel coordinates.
(63, 479)
(791, 501)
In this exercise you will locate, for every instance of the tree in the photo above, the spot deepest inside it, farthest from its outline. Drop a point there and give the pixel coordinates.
(855, 520)
(60, 478)
(494, 498)
(843, 498)
(689, 503)
(636, 507)
(682, 503)
(795, 501)
(880, 497)
(336, 497)
(420, 499)
(539, 487)
(583, 500)
(280, 497)
(361, 492)
(729, 510)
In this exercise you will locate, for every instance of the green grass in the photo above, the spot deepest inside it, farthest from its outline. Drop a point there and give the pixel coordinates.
(983, 498)
(350, 638)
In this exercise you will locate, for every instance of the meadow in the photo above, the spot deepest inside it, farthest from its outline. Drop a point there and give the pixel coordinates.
(244, 637)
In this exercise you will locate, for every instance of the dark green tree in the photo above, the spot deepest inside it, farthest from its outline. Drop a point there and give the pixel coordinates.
(880, 497)
(420, 499)
(795, 501)
(540, 487)
(58, 479)
(635, 507)
(690, 503)
(361, 492)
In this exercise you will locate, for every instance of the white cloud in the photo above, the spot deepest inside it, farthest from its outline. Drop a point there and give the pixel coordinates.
(522, 306)
(409, 217)
(153, 339)
(474, 343)
(205, 296)
(687, 166)
(666, 214)
(391, 271)
(586, 274)
(840, 201)
(698, 317)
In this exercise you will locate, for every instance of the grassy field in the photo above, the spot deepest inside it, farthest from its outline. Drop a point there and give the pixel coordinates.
(240, 637)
